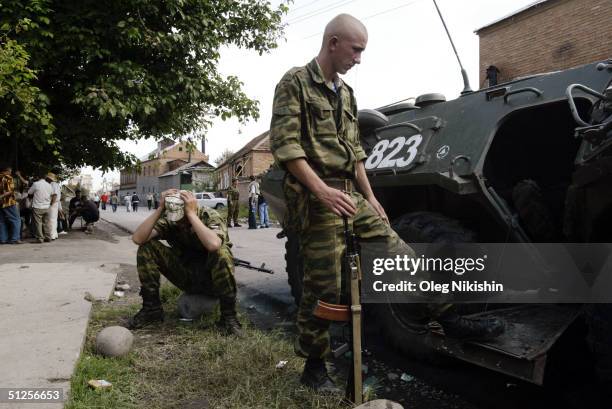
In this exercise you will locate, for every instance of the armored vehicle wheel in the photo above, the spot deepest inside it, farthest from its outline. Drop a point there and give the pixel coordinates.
(295, 266)
(404, 325)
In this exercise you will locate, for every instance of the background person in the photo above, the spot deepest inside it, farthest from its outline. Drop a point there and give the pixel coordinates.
(128, 201)
(233, 205)
(149, 201)
(41, 192)
(10, 220)
(114, 201)
(135, 202)
(253, 194)
(54, 206)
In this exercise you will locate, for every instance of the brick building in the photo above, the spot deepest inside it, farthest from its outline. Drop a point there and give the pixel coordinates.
(251, 160)
(168, 156)
(547, 35)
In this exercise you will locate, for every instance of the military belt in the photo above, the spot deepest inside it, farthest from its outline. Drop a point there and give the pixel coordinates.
(345, 185)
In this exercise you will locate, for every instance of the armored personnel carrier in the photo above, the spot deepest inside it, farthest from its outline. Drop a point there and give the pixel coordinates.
(525, 161)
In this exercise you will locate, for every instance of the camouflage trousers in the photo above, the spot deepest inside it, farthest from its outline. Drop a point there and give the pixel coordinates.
(232, 213)
(210, 275)
(323, 245)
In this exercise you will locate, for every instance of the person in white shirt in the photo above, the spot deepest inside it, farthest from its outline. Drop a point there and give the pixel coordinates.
(54, 206)
(41, 192)
(128, 201)
(253, 194)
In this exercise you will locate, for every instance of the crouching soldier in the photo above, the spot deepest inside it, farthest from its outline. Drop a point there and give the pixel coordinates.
(197, 259)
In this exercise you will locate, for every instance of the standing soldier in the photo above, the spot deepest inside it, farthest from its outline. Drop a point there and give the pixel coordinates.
(314, 136)
(232, 203)
(197, 259)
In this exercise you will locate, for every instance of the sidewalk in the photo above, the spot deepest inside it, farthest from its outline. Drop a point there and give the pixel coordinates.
(43, 313)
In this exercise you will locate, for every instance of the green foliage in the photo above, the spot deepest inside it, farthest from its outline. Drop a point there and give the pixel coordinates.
(21, 102)
(125, 70)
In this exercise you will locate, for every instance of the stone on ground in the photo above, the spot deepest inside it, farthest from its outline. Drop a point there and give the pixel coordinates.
(114, 341)
(380, 404)
(193, 306)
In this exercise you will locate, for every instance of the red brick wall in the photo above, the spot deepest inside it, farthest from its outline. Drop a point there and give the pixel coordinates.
(553, 36)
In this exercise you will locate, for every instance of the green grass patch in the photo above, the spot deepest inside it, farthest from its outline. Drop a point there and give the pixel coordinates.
(175, 365)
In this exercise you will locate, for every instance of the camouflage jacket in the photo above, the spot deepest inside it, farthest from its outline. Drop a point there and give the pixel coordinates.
(181, 237)
(306, 123)
(232, 195)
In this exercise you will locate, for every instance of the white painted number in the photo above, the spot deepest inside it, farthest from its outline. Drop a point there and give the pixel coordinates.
(377, 158)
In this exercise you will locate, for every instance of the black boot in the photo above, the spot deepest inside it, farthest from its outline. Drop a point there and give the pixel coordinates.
(315, 376)
(471, 329)
(150, 313)
(229, 321)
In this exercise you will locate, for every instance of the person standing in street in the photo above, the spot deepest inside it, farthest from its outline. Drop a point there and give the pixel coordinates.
(114, 201)
(54, 206)
(41, 192)
(253, 194)
(135, 202)
(104, 200)
(155, 201)
(149, 201)
(233, 205)
(10, 221)
(263, 212)
(97, 200)
(128, 201)
(314, 136)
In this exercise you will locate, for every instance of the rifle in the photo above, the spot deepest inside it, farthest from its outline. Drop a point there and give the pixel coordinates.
(247, 264)
(336, 312)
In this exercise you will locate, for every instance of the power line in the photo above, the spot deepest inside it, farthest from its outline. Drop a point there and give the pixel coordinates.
(319, 11)
(373, 15)
(304, 5)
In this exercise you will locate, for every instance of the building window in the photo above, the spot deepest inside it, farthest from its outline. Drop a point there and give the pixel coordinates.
(180, 149)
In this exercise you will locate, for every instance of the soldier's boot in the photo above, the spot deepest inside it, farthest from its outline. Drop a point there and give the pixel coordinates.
(315, 376)
(229, 321)
(150, 313)
(471, 329)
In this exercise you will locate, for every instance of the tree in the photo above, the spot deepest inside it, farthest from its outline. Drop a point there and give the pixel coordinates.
(130, 69)
(225, 155)
(20, 101)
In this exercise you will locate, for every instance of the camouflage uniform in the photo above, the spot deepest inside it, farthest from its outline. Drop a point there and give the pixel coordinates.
(232, 205)
(186, 263)
(306, 124)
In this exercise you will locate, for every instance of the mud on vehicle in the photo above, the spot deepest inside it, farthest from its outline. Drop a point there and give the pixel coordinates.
(525, 161)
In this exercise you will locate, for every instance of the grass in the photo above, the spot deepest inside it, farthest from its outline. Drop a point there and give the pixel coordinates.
(173, 365)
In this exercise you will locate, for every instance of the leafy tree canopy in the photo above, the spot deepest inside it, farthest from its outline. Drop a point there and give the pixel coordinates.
(77, 76)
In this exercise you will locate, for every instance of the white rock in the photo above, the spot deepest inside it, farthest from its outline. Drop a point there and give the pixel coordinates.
(195, 305)
(380, 404)
(114, 341)
(122, 287)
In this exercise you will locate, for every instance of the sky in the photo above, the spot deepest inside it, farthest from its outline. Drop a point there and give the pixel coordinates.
(408, 54)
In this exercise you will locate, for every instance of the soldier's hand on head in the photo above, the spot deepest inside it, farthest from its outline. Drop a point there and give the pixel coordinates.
(338, 202)
(191, 204)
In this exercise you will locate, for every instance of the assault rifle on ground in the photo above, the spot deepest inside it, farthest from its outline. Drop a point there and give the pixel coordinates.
(247, 264)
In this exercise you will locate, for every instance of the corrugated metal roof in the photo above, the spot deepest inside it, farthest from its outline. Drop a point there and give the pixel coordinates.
(527, 7)
(188, 166)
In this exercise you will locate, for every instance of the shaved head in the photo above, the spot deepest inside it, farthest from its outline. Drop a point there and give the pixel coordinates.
(344, 39)
(344, 26)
